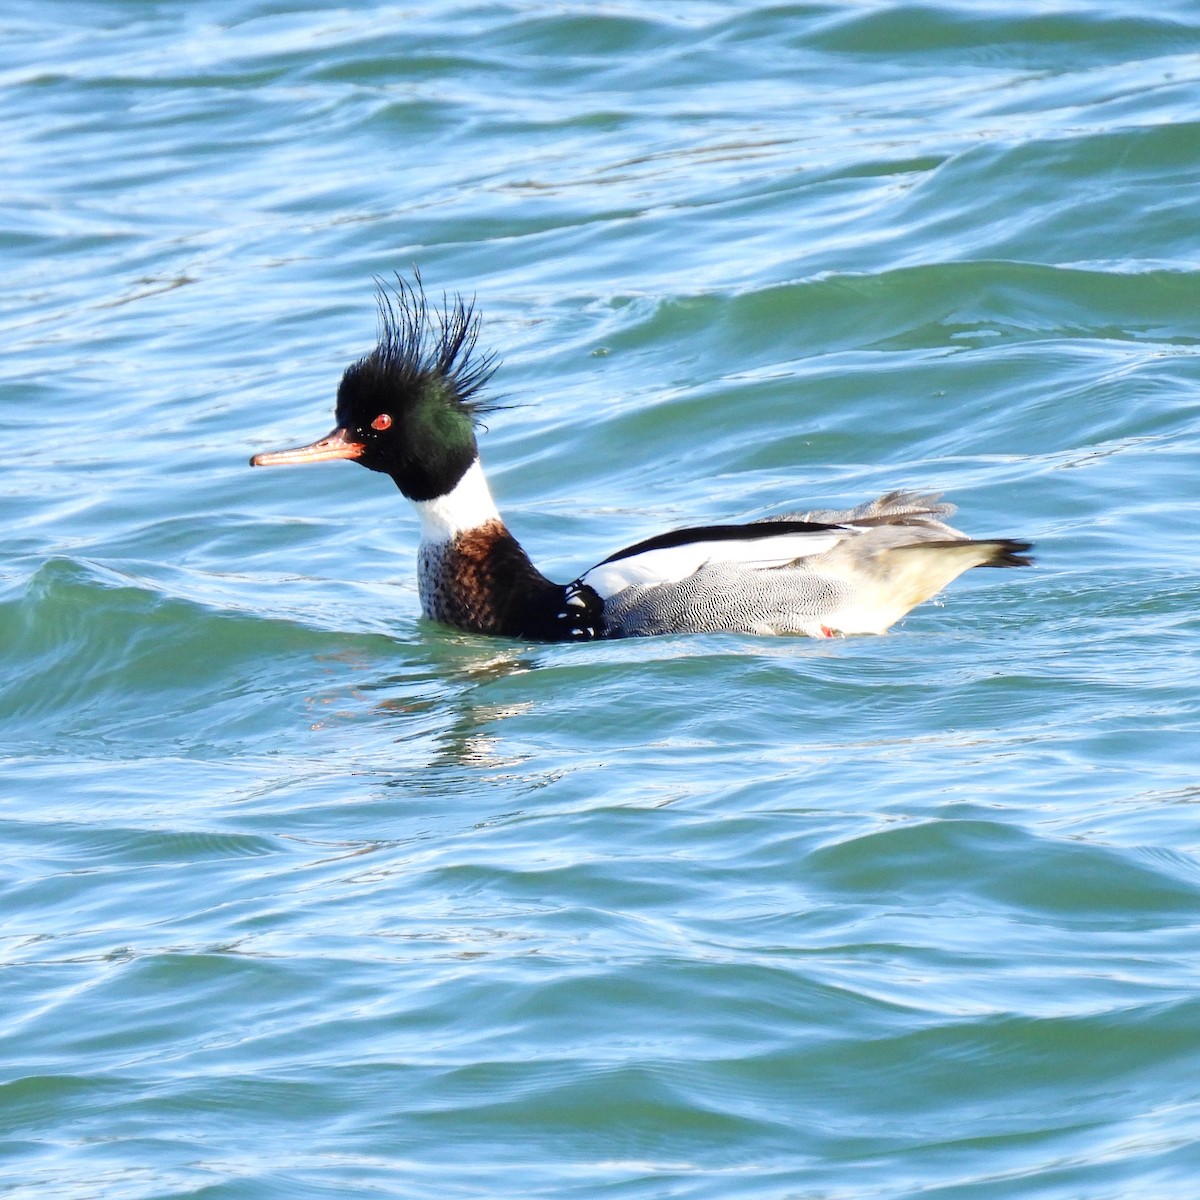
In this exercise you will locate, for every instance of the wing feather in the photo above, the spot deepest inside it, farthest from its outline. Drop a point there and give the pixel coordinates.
(756, 551)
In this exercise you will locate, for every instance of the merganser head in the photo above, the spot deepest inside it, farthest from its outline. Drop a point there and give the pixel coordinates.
(409, 408)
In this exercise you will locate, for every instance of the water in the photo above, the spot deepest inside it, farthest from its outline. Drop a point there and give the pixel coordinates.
(304, 897)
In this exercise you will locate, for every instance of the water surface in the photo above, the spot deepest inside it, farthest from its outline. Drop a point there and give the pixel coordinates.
(305, 897)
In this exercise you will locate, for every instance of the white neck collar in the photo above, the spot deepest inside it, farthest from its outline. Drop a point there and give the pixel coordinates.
(467, 505)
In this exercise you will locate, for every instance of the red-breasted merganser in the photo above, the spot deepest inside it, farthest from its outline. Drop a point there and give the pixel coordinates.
(410, 408)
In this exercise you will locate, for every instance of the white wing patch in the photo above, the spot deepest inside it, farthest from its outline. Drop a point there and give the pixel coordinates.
(654, 567)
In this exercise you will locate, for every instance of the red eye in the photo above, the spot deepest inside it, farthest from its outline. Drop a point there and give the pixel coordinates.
(382, 422)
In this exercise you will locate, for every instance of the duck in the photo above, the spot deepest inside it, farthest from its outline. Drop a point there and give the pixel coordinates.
(411, 409)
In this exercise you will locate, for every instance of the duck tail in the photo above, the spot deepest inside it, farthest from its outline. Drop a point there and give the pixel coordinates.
(990, 552)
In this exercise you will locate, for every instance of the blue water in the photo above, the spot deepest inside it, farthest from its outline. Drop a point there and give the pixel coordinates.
(305, 897)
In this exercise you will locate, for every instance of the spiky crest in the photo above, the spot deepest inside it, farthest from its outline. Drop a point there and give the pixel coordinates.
(422, 346)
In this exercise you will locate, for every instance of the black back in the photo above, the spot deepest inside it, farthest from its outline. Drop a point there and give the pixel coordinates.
(755, 531)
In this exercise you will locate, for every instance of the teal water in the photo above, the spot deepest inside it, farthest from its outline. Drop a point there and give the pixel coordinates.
(304, 897)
